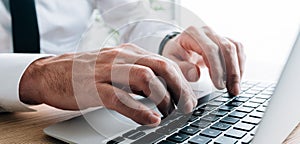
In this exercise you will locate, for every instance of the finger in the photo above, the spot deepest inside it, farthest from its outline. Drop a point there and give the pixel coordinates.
(229, 54)
(178, 87)
(120, 101)
(185, 59)
(204, 46)
(139, 79)
(241, 56)
(190, 71)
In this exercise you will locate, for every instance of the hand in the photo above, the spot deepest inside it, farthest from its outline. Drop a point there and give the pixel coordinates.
(224, 57)
(105, 78)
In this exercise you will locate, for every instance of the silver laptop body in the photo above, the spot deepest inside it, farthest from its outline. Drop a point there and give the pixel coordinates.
(281, 116)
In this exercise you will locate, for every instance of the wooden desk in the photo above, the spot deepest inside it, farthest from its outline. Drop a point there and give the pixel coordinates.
(25, 128)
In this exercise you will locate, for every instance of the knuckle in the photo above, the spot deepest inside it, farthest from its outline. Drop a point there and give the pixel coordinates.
(234, 78)
(105, 49)
(126, 45)
(192, 28)
(228, 47)
(145, 74)
(162, 64)
(241, 46)
(212, 47)
(112, 52)
(135, 113)
(242, 71)
(114, 101)
(207, 29)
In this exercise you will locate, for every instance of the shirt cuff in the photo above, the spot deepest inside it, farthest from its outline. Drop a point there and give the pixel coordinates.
(12, 67)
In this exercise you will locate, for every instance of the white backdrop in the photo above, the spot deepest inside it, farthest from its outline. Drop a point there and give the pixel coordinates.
(267, 29)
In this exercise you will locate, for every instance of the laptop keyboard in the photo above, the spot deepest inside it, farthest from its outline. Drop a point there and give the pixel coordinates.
(222, 120)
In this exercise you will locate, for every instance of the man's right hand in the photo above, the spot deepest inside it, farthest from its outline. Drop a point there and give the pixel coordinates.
(105, 78)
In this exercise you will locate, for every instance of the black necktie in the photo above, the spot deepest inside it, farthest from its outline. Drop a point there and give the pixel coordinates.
(26, 37)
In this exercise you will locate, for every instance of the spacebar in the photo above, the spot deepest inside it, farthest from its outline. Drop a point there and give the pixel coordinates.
(150, 138)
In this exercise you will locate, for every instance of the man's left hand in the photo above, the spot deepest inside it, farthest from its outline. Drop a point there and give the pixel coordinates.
(224, 57)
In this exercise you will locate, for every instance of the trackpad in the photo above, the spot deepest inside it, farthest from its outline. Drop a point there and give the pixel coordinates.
(108, 123)
(94, 126)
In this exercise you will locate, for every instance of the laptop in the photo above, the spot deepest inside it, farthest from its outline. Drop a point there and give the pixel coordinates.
(263, 113)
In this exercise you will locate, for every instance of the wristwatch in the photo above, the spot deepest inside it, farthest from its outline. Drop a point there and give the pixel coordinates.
(165, 40)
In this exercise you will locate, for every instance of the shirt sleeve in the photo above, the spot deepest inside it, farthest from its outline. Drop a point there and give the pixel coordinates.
(136, 22)
(12, 67)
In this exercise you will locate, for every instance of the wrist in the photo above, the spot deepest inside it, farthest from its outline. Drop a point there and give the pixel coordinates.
(31, 83)
(166, 40)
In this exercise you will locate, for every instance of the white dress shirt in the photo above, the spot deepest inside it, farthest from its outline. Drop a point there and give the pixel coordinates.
(61, 25)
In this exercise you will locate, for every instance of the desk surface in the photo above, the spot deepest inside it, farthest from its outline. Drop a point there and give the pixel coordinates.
(28, 127)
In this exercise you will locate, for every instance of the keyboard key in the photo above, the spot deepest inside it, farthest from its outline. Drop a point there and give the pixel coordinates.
(192, 118)
(210, 118)
(116, 140)
(134, 134)
(252, 91)
(257, 100)
(251, 105)
(166, 130)
(226, 108)
(211, 133)
(222, 99)
(181, 122)
(219, 113)
(237, 114)
(215, 103)
(143, 127)
(245, 109)
(247, 139)
(261, 96)
(266, 104)
(226, 95)
(253, 131)
(256, 114)
(199, 112)
(216, 93)
(190, 130)
(258, 88)
(221, 126)
(226, 140)
(230, 120)
(163, 122)
(150, 138)
(243, 89)
(251, 120)
(234, 103)
(200, 140)
(244, 126)
(241, 99)
(267, 93)
(178, 137)
(166, 142)
(261, 109)
(247, 95)
(252, 83)
(200, 124)
(174, 115)
(235, 133)
(208, 107)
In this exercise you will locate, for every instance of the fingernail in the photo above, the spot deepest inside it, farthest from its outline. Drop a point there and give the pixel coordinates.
(193, 74)
(188, 108)
(153, 119)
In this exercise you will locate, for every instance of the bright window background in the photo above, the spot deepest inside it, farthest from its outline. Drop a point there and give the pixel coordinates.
(267, 29)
